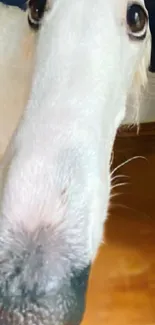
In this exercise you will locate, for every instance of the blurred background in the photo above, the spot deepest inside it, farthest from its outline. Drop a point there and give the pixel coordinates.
(122, 286)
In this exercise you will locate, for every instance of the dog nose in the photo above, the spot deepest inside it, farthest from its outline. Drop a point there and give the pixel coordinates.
(28, 301)
(41, 283)
(77, 296)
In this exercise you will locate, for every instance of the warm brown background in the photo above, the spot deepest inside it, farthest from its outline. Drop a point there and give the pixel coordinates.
(122, 284)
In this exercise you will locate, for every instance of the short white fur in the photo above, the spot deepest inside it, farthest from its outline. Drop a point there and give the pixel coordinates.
(57, 167)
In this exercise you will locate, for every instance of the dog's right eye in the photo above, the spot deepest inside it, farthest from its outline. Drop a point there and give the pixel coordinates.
(137, 21)
(36, 13)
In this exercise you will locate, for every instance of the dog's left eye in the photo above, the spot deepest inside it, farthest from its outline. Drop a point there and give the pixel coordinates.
(36, 12)
(137, 21)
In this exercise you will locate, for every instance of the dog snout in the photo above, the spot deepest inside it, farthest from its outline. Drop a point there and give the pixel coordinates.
(35, 289)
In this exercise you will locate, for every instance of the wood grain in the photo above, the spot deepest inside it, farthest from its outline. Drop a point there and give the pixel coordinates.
(122, 283)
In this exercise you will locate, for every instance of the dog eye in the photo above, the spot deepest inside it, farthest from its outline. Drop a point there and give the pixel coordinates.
(36, 12)
(137, 21)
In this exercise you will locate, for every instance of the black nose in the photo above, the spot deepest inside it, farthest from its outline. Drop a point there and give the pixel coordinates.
(64, 304)
(39, 285)
(77, 295)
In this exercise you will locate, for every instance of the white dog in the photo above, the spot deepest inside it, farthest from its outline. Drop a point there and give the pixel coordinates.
(55, 183)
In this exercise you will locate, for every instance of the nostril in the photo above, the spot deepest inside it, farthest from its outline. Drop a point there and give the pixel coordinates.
(18, 270)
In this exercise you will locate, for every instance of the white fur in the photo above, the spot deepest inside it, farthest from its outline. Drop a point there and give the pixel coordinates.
(16, 62)
(59, 159)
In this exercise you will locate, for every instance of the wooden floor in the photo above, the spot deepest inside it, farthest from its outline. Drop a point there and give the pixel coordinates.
(122, 283)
